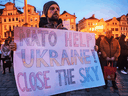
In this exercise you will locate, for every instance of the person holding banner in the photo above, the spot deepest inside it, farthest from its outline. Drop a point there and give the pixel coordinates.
(51, 20)
(51, 11)
(110, 49)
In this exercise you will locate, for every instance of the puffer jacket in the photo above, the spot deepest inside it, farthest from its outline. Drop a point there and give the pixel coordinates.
(110, 50)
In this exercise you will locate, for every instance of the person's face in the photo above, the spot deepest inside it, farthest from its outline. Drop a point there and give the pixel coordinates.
(109, 34)
(53, 12)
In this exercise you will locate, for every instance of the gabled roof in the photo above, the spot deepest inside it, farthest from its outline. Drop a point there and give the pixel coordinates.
(19, 11)
(68, 13)
(108, 20)
(118, 18)
(92, 18)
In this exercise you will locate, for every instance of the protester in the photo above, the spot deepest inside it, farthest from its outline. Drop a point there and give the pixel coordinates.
(51, 11)
(123, 56)
(110, 50)
(6, 54)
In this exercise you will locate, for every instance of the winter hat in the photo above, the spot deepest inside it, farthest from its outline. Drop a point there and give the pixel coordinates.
(47, 5)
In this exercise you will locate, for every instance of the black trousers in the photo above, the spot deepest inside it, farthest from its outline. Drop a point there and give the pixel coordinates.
(122, 62)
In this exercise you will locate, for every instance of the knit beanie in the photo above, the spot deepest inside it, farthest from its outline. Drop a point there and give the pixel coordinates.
(47, 5)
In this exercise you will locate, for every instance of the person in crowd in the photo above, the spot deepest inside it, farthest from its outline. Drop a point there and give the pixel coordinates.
(110, 50)
(101, 37)
(10, 40)
(6, 54)
(123, 56)
(0, 54)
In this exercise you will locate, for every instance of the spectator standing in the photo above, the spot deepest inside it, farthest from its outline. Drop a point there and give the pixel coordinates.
(123, 55)
(110, 50)
(6, 54)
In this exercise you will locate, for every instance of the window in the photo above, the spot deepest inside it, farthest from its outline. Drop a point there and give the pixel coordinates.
(12, 19)
(9, 19)
(5, 27)
(13, 27)
(88, 23)
(123, 23)
(126, 28)
(31, 25)
(35, 25)
(72, 26)
(9, 28)
(22, 20)
(123, 28)
(4, 34)
(72, 20)
(16, 19)
(115, 23)
(28, 10)
(112, 29)
(35, 19)
(9, 13)
(31, 19)
(116, 29)
(4, 20)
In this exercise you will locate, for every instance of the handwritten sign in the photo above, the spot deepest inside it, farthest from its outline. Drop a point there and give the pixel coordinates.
(66, 24)
(53, 61)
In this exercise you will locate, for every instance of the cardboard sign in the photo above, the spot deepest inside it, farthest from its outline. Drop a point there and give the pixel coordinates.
(53, 61)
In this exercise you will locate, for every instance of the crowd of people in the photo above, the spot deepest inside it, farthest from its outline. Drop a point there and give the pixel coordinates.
(110, 49)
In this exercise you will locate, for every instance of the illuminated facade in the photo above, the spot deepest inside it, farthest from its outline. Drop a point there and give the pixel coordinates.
(11, 17)
(92, 25)
(123, 24)
(113, 24)
(70, 19)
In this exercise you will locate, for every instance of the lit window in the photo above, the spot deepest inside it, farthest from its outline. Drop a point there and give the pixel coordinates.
(72, 20)
(35, 19)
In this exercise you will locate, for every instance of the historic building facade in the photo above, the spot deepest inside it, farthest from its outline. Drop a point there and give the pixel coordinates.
(113, 24)
(11, 17)
(92, 25)
(123, 24)
(69, 20)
